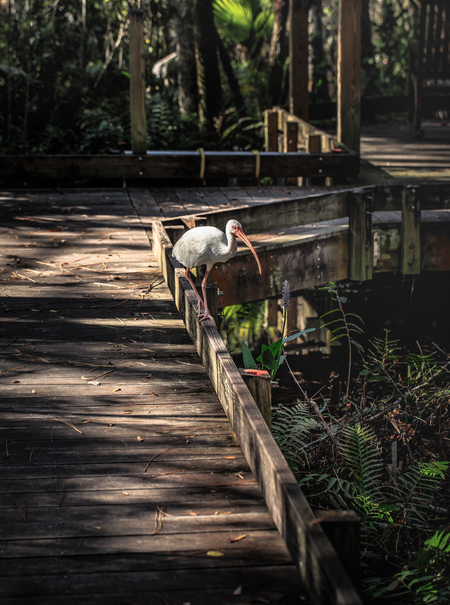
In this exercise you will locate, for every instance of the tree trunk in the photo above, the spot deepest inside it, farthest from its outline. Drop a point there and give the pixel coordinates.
(279, 51)
(208, 75)
(369, 68)
(187, 71)
(319, 76)
(236, 93)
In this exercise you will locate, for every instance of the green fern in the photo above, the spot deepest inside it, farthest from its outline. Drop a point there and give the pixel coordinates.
(291, 428)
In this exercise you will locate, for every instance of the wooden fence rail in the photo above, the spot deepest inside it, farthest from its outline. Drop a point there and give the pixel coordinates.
(351, 233)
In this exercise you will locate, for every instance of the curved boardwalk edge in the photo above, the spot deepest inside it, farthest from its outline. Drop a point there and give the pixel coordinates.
(311, 550)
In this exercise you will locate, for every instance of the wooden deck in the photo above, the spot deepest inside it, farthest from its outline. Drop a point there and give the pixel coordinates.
(121, 479)
(391, 147)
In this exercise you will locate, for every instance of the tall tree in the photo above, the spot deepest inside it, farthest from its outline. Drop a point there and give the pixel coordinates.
(319, 90)
(278, 53)
(187, 70)
(208, 74)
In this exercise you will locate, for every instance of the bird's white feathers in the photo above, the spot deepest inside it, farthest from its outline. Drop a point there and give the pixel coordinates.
(206, 246)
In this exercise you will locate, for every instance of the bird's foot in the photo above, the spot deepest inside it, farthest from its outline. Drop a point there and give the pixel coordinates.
(206, 316)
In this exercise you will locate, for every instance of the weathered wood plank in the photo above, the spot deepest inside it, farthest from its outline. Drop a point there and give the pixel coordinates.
(410, 257)
(173, 164)
(349, 78)
(137, 81)
(360, 249)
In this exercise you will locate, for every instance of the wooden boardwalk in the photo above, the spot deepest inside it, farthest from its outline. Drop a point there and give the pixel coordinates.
(121, 479)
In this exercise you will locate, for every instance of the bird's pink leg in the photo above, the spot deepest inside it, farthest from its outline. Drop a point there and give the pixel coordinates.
(200, 302)
(206, 314)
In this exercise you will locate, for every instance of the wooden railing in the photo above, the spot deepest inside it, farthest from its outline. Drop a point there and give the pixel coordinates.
(286, 133)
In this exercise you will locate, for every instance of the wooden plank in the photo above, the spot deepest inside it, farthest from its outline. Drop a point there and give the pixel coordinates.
(285, 213)
(271, 131)
(349, 66)
(137, 81)
(288, 506)
(410, 250)
(360, 247)
(172, 164)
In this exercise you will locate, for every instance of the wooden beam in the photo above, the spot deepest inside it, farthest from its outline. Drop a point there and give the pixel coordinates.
(298, 58)
(271, 131)
(410, 256)
(177, 164)
(137, 81)
(360, 249)
(349, 80)
(258, 383)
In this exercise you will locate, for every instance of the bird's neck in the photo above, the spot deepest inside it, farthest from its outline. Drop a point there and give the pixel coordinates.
(232, 244)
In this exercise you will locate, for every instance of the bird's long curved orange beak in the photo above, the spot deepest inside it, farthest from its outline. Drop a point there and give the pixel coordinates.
(240, 233)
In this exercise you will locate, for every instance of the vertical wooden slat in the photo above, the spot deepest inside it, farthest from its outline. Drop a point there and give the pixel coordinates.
(410, 256)
(349, 80)
(291, 144)
(419, 71)
(271, 130)
(137, 82)
(360, 253)
(258, 383)
(314, 143)
(342, 528)
(298, 58)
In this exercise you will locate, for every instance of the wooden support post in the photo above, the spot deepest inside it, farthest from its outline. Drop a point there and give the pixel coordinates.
(410, 256)
(313, 145)
(137, 82)
(272, 312)
(342, 528)
(258, 383)
(271, 130)
(291, 144)
(360, 248)
(298, 58)
(349, 79)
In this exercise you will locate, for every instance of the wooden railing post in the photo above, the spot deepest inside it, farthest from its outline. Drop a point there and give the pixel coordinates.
(410, 256)
(360, 247)
(291, 144)
(258, 383)
(137, 82)
(349, 79)
(271, 130)
(342, 528)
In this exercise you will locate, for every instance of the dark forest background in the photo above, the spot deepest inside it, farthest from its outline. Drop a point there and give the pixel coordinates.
(212, 67)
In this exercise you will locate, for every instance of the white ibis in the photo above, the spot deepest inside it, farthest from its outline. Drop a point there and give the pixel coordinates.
(208, 246)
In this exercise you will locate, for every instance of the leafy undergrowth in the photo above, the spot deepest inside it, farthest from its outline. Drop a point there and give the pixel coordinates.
(378, 444)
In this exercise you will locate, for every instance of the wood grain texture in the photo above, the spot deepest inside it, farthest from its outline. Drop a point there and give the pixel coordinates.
(137, 81)
(349, 79)
(120, 470)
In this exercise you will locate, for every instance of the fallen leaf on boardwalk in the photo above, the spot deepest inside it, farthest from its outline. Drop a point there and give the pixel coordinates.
(128, 411)
(34, 392)
(16, 381)
(193, 514)
(239, 538)
(238, 591)
(214, 553)
(140, 438)
(230, 457)
(115, 390)
(125, 493)
(97, 384)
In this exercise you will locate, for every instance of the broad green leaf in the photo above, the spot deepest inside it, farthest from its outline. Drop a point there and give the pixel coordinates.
(249, 362)
(294, 336)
